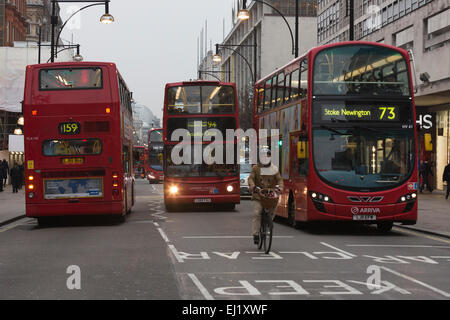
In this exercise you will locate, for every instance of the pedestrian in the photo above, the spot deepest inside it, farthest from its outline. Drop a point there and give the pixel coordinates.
(446, 177)
(425, 172)
(5, 165)
(16, 177)
(2, 175)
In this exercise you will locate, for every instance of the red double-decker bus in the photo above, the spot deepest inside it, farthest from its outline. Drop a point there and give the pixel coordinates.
(155, 155)
(78, 140)
(140, 161)
(347, 133)
(203, 177)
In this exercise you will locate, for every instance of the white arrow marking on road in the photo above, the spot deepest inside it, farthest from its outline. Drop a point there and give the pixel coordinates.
(200, 287)
(337, 249)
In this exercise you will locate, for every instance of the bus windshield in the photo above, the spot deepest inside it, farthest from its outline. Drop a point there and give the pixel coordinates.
(73, 78)
(156, 136)
(360, 70)
(363, 158)
(205, 99)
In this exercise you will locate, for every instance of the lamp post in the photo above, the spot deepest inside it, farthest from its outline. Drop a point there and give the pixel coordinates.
(217, 58)
(244, 14)
(106, 18)
(211, 73)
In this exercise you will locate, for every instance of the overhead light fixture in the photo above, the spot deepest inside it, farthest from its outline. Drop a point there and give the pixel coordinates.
(107, 19)
(243, 14)
(18, 131)
(78, 57)
(217, 58)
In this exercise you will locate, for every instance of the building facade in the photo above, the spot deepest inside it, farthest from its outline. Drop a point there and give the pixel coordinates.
(263, 43)
(423, 27)
(39, 17)
(13, 24)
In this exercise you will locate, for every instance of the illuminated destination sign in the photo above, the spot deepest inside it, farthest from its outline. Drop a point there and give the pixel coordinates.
(360, 113)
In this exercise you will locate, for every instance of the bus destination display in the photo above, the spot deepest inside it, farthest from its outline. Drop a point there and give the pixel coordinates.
(360, 113)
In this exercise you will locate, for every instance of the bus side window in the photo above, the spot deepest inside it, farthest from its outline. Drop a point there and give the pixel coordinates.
(295, 84)
(267, 95)
(287, 90)
(303, 156)
(304, 78)
(126, 159)
(273, 92)
(280, 90)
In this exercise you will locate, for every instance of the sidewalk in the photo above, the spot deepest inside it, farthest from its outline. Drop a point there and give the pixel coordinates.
(12, 205)
(434, 214)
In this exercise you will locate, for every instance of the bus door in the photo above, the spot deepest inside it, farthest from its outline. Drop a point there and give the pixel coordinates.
(298, 175)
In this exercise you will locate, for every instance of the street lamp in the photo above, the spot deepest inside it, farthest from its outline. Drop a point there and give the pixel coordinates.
(218, 58)
(106, 18)
(244, 14)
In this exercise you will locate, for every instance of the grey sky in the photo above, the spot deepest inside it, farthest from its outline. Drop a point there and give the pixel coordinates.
(151, 41)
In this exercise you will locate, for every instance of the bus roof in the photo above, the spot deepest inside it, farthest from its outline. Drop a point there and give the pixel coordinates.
(199, 82)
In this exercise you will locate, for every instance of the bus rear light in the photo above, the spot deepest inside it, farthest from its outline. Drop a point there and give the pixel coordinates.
(34, 112)
(30, 187)
(115, 184)
(108, 110)
(30, 178)
(115, 175)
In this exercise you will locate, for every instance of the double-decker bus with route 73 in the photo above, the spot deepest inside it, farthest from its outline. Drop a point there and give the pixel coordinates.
(196, 108)
(78, 140)
(347, 133)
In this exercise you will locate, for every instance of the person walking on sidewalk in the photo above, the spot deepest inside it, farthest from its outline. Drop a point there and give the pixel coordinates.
(425, 171)
(446, 177)
(4, 164)
(16, 177)
(2, 176)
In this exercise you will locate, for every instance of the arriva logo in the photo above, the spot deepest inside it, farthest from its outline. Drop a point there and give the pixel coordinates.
(369, 210)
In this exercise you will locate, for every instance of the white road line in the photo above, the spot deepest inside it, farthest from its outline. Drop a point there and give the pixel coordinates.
(337, 249)
(163, 235)
(418, 234)
(175, 253)
(229, 237)
(200, 287)
(396, 246)
(441, 292)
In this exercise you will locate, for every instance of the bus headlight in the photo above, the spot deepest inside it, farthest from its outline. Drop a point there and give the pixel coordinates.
(31, 195)
(408, 197)
(173, 190)
(230, 188)
(150, 176)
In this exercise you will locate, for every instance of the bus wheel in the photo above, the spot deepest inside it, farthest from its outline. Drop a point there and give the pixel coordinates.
(230, 207)
(118, 219)
(385, 226)
(43, 221)
(291, 213)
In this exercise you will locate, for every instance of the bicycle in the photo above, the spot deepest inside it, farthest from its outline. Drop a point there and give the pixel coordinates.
(269, 200)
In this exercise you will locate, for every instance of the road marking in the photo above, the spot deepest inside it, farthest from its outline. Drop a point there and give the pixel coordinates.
(441, 292)
(396, 246)
(175, 253)
(229, 237)
(421, 235)
(200, 287)
(337, 249)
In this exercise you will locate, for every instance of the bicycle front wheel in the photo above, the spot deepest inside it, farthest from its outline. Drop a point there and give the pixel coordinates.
(268, 236)
(262, 236)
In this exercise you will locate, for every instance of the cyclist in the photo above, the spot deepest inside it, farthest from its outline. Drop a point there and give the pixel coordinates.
(262, 176)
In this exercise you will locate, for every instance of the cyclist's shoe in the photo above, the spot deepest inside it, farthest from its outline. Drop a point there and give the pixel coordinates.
(256, 240)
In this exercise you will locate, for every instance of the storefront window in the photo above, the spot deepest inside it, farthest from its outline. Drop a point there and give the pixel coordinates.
(442, 144)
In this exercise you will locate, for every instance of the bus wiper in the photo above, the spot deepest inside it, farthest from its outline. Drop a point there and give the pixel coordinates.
(369, 129)
(332, 130)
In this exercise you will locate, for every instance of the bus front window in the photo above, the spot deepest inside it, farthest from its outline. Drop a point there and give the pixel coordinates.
(361, 158)
(360, 70)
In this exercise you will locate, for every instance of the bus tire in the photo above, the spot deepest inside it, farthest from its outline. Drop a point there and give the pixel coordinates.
(43, 221)
(118, 219)
(385, 226)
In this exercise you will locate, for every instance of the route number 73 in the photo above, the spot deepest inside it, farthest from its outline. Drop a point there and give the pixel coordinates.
(389, 112)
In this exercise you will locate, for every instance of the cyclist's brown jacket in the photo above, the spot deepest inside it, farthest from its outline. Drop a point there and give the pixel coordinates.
(264, 181)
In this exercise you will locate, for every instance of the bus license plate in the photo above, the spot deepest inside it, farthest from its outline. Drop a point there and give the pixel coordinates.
(203, 200)
(364, 217)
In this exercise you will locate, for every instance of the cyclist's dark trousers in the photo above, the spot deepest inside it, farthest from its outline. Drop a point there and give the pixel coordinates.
(257, 210)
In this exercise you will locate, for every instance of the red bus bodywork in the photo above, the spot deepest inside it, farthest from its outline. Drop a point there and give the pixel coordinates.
(63, 176)
(382, 207)
(221, 190)
(155, 171)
